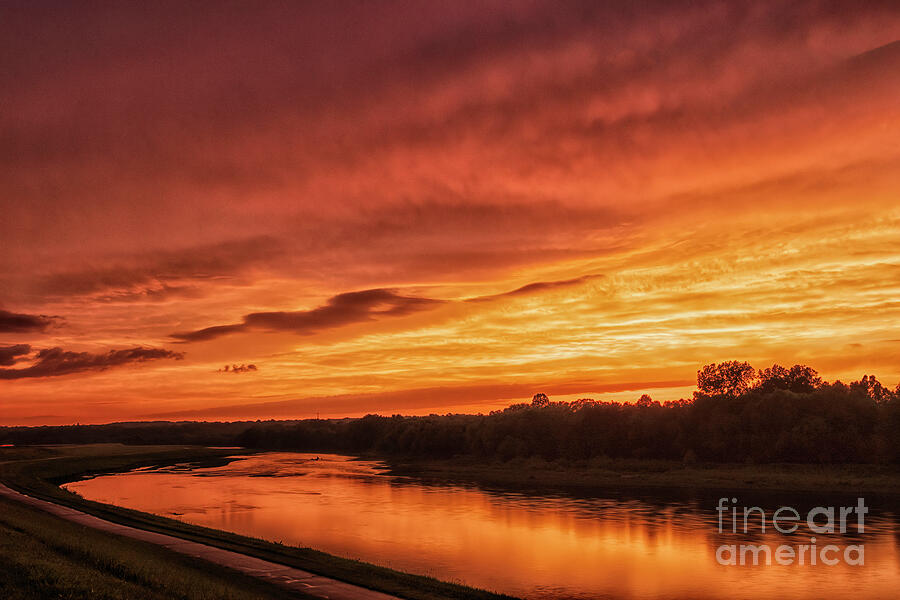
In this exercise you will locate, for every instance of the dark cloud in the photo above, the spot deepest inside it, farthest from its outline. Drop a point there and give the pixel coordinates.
(209, 333)
(238, 369)
(538, 286)
(153, 276)
(354, 307)
(11, 322)
(9, 354)
(343, 309)
(51, 362)
(249, 122)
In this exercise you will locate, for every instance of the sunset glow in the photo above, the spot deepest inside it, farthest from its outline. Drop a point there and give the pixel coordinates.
(468, 204)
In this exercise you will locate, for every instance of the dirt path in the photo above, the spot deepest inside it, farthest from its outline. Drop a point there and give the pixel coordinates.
(289, 577)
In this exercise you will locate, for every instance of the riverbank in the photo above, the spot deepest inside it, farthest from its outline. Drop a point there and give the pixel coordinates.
(38, 471)
(651, 474)
(284, 579)
(43, 556)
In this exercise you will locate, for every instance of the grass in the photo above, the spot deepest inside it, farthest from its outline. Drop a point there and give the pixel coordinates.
(631, 473)
(40, 474)
(43, 556)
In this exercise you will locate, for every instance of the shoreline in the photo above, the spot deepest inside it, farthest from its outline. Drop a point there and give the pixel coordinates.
(293, 580)
(651, 475)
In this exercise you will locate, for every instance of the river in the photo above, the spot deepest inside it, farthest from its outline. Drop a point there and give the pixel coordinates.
(534, 544)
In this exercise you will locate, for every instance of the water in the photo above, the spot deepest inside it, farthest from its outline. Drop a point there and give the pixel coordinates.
(534, 545)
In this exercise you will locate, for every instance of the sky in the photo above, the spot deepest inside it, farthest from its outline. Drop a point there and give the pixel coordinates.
(253, 210)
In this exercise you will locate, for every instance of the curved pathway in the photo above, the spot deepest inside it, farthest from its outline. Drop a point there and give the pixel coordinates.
(289, 577)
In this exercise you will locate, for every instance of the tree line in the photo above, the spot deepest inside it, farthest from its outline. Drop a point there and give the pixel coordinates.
(737, 414)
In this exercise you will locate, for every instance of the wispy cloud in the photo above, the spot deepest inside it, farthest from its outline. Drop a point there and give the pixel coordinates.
(10, 354)
(11, 322)
(340, 310)
(52, 362)
(238, 369)
(160, 274)
(538, 287)
(356, 307)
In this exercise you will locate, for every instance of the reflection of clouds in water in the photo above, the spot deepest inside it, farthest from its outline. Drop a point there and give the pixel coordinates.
(284, 465)
(651, 510)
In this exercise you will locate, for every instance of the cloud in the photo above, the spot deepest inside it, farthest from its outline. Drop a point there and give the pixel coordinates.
(52, 362)
(538, 286)
(731, 169)
(355, 307)
(10, 354)
(21, 323)
(343, 309)
(238, 369)
(154, 276)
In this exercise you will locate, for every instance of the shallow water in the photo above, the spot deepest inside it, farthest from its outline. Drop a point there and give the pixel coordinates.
(529, 544)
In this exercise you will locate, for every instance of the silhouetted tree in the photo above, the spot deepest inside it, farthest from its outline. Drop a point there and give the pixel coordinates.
(645, 401)
(873, 389)
(789, 415)
(799, 379)
(540, 400)
(729, 378)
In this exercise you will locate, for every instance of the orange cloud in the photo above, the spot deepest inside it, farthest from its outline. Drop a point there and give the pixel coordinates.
(638, 189)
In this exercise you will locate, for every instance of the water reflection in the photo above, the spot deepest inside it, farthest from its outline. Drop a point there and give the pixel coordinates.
(527, 544)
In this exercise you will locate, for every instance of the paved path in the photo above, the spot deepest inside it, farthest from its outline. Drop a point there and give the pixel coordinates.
(289, 577)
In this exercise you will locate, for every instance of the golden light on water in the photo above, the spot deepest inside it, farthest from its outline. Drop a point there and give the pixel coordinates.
(522, 543)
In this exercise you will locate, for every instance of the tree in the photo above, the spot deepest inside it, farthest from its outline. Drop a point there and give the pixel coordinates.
(730, 378)
(799, 379)
(645, 401)
(540, 400)
(873, 389)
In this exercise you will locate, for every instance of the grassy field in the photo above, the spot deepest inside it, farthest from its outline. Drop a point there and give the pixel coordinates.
(42, 556)
(631, 473)
(62, 562)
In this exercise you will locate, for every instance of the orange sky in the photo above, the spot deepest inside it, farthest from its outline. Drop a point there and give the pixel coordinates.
(432, 207)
